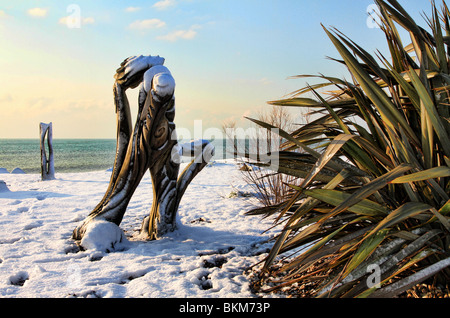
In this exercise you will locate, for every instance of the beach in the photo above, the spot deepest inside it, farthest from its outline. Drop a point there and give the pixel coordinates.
(321, 164)
(206, 256)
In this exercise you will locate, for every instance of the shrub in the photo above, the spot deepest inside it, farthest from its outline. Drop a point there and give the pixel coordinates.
(371, 215)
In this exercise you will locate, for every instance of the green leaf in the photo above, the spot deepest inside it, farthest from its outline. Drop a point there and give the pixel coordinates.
(297, 102)
(336, 118)
(312, 249)
(331, 82)
(402, 17)
(440, 48)
(302, 174)
(430, 107)
(296, 218)
(404, 84)
(441, 219)
(405, 211)
(337, 165)
(331, 150)
(436, 172)
(441, 215)
(390, 114)
(335, 197)
(370, 188)
(445, 209)
(374, 151)
(366, 248)
(309, 203)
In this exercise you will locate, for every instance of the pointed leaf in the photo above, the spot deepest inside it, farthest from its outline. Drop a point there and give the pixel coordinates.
(296, 102)
(414, 279)
(331, 150)
(436, 172)
(407, 210)
(370, 188)
(312, 249)
(334, 197)
(366, 248)
(387, 109)
(438, 125)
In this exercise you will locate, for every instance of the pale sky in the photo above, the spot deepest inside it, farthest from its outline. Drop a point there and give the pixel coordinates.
(228, 57)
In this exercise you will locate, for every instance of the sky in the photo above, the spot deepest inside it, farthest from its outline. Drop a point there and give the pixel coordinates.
(228, 57)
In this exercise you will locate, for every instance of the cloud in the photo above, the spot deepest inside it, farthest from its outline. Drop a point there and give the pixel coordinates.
(38, 12)
(88, 20)
(40, 104)
(265, 81)
(76, 22)
(3, 14)
(164, 4)
(132, 9)
(6, 98)
(147, 24)
(180, 34)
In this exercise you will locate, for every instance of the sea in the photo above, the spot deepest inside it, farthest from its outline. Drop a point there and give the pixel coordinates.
(70, 155)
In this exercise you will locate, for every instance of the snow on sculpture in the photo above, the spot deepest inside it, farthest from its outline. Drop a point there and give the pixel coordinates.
(152, 145)
(47, 163)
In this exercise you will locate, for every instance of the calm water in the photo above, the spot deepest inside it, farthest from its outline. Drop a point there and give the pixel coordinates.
(71, 155)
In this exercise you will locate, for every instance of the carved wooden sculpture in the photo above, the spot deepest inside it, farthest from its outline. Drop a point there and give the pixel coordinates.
(47, 163)
(151, 145)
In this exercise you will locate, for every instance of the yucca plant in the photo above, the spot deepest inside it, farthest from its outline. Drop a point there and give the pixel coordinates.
(371, 216)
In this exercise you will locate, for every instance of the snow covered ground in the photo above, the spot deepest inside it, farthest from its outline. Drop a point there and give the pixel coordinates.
(205, 257)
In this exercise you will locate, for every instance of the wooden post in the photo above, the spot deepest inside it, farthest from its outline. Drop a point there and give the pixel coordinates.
(47, 163)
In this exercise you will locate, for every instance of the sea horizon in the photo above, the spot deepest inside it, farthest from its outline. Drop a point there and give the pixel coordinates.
(70, 154)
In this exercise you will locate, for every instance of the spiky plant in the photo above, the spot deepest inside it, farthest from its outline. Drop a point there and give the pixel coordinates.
(371, 217)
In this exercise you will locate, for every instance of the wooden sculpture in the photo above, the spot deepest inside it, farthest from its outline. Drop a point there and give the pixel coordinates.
(152, 145)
